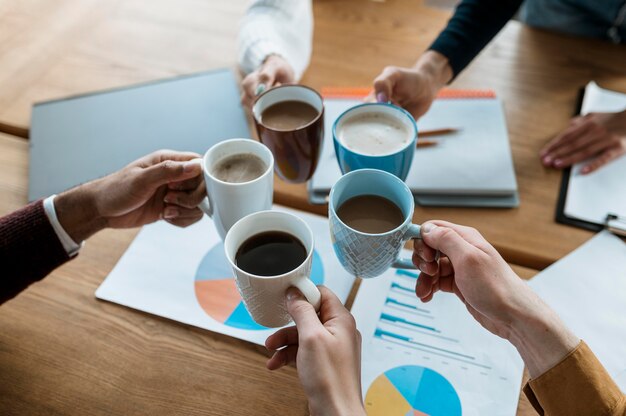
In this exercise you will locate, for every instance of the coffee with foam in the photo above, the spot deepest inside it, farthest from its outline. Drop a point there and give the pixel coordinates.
(374, 134)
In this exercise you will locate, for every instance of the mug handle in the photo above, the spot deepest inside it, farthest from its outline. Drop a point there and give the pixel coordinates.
(204, 205)
(414, 231)
(310, 292)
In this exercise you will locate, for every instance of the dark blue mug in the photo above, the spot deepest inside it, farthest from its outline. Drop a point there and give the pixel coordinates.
(397, 161)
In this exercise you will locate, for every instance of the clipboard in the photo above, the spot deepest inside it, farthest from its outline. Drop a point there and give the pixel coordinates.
(613, 222)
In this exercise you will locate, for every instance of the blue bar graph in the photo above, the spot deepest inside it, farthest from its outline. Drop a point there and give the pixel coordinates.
(406, 305)
(407, 273)
(391, 318)
(400, 287)
(380, 333)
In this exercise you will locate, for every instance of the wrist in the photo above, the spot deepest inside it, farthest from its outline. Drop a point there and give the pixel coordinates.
(77, 213)
(436, 66)
(540, 337)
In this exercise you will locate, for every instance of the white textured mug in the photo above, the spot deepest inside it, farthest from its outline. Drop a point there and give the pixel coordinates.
(264, 296)
(227, 202)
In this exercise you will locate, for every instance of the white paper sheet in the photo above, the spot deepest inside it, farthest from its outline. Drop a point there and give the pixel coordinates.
(587, 288)
(590, 197)
(474, 161)
(182, 274)
(432, 358)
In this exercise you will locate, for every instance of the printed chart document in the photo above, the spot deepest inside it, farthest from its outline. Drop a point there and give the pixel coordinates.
(591, 197)
(430, 358)
(587, 288)
(182, 274)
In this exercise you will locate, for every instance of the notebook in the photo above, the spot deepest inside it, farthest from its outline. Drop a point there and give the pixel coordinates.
(77, 139)
(586, 200)
(472, 167)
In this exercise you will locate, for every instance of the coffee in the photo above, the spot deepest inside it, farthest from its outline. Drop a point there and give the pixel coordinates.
(370, 214)
(239, 168)
(288, 115)
(374, 134)
(270, 253)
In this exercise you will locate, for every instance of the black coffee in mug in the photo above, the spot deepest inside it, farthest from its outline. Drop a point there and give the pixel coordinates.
(270, 253)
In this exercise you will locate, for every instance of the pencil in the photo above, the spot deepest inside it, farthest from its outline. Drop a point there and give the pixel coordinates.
(436, 132)
(426, 143)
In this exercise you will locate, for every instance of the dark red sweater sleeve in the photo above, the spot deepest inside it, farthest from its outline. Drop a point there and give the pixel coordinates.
(29, 249)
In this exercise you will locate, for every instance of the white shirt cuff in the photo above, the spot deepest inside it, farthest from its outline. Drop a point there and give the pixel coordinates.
(70, 246)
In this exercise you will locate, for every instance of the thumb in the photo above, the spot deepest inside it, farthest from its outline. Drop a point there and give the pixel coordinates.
(446, 240)
(267, 76)
(384, 84)
(301, 311)
(169, 171)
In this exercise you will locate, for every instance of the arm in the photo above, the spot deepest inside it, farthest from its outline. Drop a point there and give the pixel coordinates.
(275, 41)
(161, 185)
(565, 376)
(471, 28)
(473, 25)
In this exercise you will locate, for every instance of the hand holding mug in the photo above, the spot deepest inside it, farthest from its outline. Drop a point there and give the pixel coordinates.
(273, 72)
(326, 351)
(493, 294)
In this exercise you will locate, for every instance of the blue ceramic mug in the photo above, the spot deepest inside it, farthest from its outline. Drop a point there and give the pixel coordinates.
(397, 161)
(369, 255)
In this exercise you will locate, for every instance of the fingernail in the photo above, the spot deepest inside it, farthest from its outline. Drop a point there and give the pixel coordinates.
(170, 212)
(259, 89)
(422, 266)
(558, 163)
(585, 169)
(381, 97)
(170, 199)
(293, 294)
(547, 160)
(428, 227)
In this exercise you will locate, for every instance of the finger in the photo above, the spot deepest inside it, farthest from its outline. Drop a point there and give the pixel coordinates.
(434, 289)
(283, 357)
(591, 150)
(430, 268)
(184, 222)
(267, 76)
(606, 157)
(424, 252)
(164, 155)
(333, 313)
(189, 200)
(186, 185)
(167, 171)
(447, 240)
(424, 285)
(249, 86)
(384, 84)
(302, 312)
(469, 234)
(563, 139)
(577, 144)
(281, 338)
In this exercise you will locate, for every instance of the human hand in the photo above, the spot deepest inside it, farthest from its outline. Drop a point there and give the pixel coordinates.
(599, 135)
(327, 353)
(165, 184)
(274, 71)
(414, 88)
(491, 291)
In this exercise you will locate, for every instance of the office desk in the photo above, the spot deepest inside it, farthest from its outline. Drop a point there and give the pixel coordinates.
(62, 352)
(536, 73)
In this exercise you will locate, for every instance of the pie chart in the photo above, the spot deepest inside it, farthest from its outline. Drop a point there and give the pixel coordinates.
(216, 290)
(411, 390)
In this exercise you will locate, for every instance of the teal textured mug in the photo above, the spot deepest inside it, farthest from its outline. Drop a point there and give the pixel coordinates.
(369, 255)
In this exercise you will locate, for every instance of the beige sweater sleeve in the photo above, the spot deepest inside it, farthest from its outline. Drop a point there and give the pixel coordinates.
(578, 385)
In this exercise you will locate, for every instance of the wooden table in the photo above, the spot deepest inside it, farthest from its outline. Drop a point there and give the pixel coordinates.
(63, 352)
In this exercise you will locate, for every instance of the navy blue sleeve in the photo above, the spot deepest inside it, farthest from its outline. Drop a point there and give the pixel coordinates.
(473, 25)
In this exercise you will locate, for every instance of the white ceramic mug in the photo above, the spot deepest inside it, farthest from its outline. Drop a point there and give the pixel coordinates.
(227, 202)
(264, 296)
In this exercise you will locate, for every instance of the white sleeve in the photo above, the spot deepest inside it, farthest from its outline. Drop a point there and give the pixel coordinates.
(70, 246)
(281, 27)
